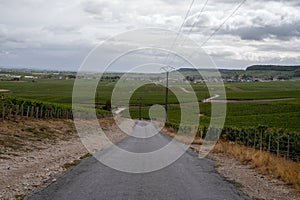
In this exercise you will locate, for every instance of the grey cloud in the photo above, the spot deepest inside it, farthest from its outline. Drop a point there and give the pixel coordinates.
(280, 32)
(292, 2)
(7, 39)
(173, 1)
(222, 54)
(62, 29)
(36, 39)
(278, 47)
(3, 31)
(197, 21)
(95, 8)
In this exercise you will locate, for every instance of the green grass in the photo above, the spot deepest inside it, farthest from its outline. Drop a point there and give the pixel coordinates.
(280, 114)
(277, 114)
(71, 164)
(60, 91)
(263, 90)
(47, 90)
(20, 196)
(76, 162)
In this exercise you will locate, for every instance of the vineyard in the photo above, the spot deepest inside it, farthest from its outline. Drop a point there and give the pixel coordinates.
(14, 106)
(46, 98)
(278, 141)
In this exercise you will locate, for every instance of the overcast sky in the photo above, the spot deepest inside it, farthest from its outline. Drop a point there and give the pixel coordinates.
(58, 34)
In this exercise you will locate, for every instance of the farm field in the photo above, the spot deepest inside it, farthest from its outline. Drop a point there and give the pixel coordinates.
(60, 91)
(277, 114)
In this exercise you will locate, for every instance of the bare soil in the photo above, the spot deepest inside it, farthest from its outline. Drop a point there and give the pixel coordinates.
(256, 185)
(34, 152)
(4, 91)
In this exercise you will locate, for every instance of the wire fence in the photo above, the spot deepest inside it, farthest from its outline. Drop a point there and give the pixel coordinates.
(38, 112)
(12, 107)
(280, 142)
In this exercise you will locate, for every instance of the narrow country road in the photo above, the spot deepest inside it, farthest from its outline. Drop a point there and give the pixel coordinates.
(187, 178)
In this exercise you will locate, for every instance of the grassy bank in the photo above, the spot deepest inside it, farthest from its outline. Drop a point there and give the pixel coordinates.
(263, 162)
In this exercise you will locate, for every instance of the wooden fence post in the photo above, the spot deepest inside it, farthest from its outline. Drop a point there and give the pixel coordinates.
(248, 137)
(22, 110)
(37, 112)
(269, 143)
(17, 110)
(3, 112)
(278, 138)
(288, 148)
(32, 110)
(261, 138)
(254, 140)
(27, 114)
(41, 112)
(10, 110)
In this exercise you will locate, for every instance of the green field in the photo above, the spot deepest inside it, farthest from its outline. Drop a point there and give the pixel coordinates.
(263, 90)
(52, 91)
(277, 114)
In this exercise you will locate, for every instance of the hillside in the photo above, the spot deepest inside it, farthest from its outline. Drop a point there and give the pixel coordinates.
(274, 67)
(252, 73)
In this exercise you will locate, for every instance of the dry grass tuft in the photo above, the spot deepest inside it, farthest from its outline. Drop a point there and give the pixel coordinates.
(263, 162)
(181, 138)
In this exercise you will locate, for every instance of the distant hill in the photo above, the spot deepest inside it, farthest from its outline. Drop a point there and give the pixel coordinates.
(264, 72)
(273, 68)
(208, 70)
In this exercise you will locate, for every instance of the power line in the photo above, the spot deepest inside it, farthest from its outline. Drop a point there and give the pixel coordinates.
(198, 17)
(219, 27)
(187, 14)
(193, 25)
(213, 33)
(180, 28)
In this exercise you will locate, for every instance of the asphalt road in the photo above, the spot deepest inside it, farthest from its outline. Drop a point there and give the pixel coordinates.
(187, 178)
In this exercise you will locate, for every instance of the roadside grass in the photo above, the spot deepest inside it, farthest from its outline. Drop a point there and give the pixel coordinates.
(87, 155)
(77, 161)
(184, 139)
(20, 196)
(237, 184)
(71, 164)
(264, 162)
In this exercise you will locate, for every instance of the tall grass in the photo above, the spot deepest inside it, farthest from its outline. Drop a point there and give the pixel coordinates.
(264, 162)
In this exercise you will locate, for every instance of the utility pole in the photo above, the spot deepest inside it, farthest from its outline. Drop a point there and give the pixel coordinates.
(140, 108)
(167, 92)
(167, 69)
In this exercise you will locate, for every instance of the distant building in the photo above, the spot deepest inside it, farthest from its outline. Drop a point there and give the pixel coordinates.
(15, 78)
(30, 77)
